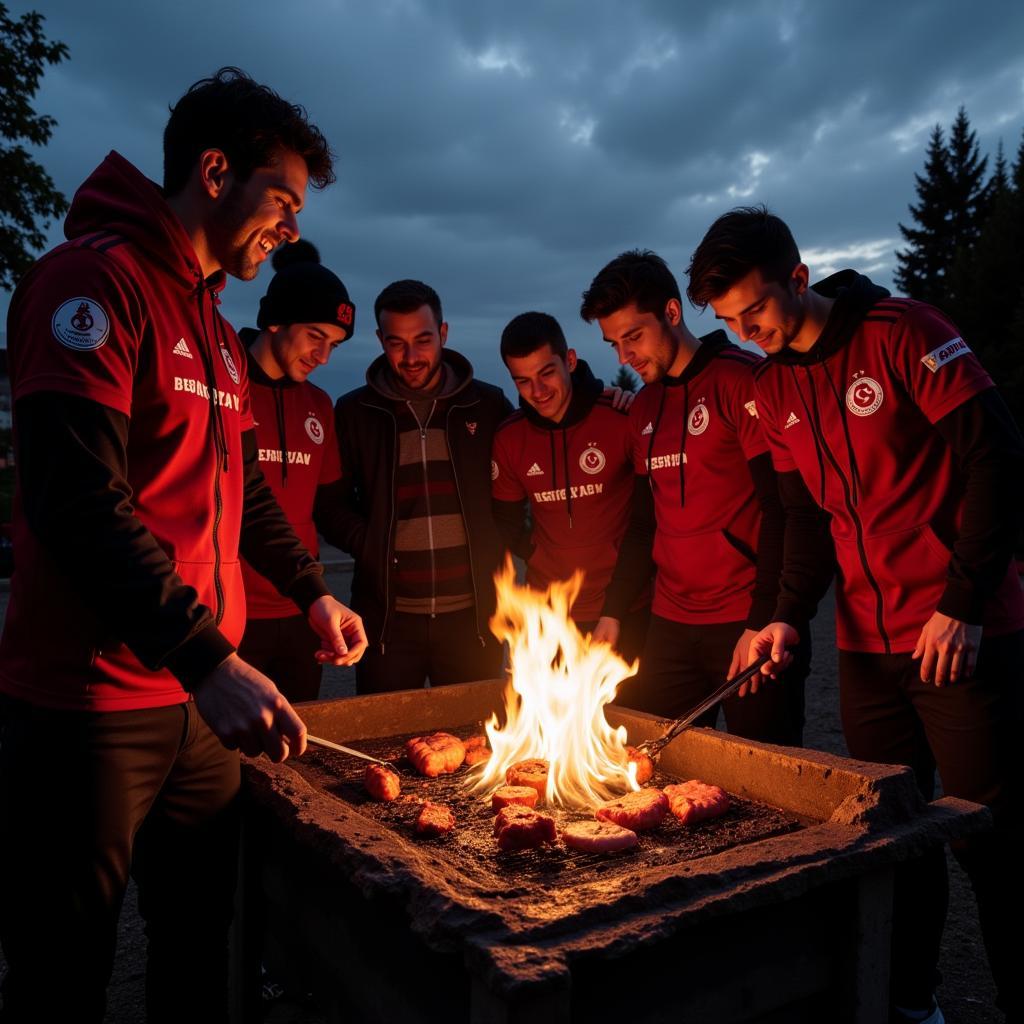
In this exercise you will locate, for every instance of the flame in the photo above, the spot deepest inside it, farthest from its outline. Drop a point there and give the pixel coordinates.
(554, 701)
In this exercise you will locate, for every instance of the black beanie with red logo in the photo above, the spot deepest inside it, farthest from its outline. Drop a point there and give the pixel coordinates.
(305, 292)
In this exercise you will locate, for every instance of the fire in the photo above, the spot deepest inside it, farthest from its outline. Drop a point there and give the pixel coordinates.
(554, 702)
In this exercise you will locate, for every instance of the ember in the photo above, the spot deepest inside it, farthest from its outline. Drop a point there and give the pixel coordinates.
(554, 702)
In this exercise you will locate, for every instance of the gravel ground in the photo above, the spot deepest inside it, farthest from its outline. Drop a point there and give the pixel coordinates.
(966, 995)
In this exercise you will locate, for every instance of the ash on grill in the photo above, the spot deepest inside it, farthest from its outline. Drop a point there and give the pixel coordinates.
(471, 845)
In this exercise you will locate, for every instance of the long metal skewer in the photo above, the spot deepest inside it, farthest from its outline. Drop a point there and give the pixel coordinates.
(331, 745)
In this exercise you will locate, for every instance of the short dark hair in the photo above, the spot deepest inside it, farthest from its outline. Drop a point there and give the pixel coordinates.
(249, 122)
(526, 333)
(406, 297)
(638, 277)
(745, 239)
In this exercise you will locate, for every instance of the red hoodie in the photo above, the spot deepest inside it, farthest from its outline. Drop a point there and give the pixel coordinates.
(121, 315)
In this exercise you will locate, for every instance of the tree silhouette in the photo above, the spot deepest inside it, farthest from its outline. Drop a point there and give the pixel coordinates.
(28, 199)
(626, 379)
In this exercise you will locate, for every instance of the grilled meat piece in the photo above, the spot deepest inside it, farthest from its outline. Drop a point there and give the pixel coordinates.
(437, 754)
(598, 836)
(644, 765)
(522, 828)
(532, 773)
(695, 801)
(434, 820)
(477, 749)
(381, 783)
(636, 811)
(505, 796)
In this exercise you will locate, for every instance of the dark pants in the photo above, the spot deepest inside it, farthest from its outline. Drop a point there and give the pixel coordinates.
(285, 650)
(442, 648)
(86, 799)
(682, 664)
(971, 731)
(632, 633)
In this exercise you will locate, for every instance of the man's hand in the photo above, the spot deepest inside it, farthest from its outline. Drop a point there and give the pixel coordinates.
(621, 399)
(607, 630)
(948, 649)
(739, 660)
(342, 637)
(247, 712)
(773, 640)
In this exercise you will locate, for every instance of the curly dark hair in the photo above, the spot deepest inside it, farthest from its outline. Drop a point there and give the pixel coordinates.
(249, 122)
(744, 239)
(526, 333)
(638, 277)
(406, 297)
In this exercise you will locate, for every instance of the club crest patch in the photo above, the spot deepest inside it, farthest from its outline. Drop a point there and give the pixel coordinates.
(315, 430)
(699, 419)
(864, 396)
(81, 324)
(938, 357)
(592, 460)
(751, 407)
(230, 364)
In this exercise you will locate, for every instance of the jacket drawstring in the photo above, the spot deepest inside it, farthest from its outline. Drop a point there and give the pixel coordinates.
(682, 444)
(216, 424)
(282, 439)
(654, 434)
(815, 427)
(854, 469)
(568, 480)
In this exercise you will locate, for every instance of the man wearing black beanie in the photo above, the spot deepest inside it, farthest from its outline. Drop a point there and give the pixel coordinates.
(305, 314)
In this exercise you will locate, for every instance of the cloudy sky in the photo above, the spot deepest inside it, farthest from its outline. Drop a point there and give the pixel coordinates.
(503, 152)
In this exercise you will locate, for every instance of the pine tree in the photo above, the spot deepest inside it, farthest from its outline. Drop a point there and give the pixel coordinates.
(626, 379)
(923, 265)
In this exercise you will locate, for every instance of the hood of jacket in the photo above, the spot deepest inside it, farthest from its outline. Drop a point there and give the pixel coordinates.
(586, 390)
(854, 295)
(119, 199)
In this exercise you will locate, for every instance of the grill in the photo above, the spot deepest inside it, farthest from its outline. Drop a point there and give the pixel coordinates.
(779, 911)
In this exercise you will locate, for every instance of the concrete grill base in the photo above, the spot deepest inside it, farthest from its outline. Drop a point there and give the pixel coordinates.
(794, 927)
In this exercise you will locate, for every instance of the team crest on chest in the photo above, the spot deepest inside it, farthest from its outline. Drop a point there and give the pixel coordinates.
(698, 420)
(864, 396)
(592, 460)
(315, 430)
(81, 324)
(230, 364)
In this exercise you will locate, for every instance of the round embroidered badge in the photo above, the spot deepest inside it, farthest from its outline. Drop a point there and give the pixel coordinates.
(592, 460)
(699, 419)
(81, 324)
(864, 396)
(315, 430)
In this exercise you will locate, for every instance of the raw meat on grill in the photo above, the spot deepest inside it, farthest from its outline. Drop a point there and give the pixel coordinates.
(532, 773)
(477, 749)
(505, 796)
(644, 765)
(598, 836)
(434, 820)
(636, 811)
(695, 801)
(382, 783)
(437, 754)
(522, 828)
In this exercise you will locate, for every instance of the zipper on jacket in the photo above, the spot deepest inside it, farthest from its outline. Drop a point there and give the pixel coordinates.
(389, 553)
(458, 491)
(426, 495)
(851, 509)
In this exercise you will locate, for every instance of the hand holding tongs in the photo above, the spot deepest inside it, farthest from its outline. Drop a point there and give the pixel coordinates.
(654, 747)
(331, 745)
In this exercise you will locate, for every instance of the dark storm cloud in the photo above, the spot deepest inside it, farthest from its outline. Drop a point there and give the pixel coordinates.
(505, 152)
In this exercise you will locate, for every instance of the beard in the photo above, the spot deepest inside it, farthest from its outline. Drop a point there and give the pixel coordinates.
(230, 243)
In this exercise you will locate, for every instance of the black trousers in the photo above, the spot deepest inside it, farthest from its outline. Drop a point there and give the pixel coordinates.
(682, 664)
(632, 632)
(442, 648)
(285, 650)
(972, 732)
(86, 799)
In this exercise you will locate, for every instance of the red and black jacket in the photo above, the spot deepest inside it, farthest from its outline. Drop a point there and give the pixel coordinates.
(706, 498)
(138, 484)
(298, 455)
(893, 428)
(576, 478)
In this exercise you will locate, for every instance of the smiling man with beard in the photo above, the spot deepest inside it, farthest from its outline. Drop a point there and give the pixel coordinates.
(122, 698)
(415, 503)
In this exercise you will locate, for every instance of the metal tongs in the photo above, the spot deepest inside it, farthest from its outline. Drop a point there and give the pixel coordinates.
(331, 745)
(652, 748)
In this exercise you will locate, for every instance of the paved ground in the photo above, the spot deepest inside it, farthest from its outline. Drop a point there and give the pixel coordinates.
(966, 994)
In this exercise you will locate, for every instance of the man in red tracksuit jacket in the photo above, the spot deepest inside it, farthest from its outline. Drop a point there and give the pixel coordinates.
(122, 696)
(305, 315)
(880, 416)
(705, 507)
(565, 459)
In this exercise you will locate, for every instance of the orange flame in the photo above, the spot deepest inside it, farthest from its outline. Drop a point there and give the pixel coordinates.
(554, 701)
